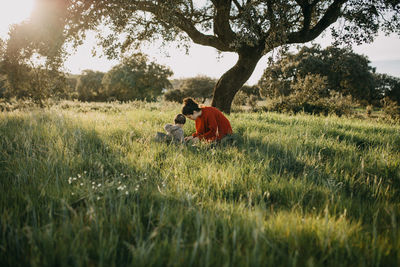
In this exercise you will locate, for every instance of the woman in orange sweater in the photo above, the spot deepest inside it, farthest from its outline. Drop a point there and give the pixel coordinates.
(211, 124)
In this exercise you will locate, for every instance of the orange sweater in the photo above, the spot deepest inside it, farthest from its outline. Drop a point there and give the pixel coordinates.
(212, 124)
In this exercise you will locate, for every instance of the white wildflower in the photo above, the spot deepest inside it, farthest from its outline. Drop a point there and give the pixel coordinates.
(81, 184)
(98, 185)
(126, 193)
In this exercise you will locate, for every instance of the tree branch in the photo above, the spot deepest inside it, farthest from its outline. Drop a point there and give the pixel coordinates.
(185, 24)
(222, 28)
(239, 7)
(305, 35)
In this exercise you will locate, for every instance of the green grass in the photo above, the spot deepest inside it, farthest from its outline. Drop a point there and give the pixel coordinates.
(84, 184)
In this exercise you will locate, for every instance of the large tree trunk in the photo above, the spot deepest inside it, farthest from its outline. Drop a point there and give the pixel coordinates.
(232, 80)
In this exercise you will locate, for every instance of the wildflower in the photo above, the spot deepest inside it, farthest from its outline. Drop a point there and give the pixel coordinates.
(126, 193)
(93, 187)
(119, 182)
(98, 198)
(74, 178)
(69, 180)
(79, 176)
(81, 184)
(98, 185)
(72, 193)
(85, 172)
(93, 182)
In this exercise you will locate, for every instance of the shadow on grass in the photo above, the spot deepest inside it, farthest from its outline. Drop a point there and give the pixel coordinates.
(144, 228)
(313, 187)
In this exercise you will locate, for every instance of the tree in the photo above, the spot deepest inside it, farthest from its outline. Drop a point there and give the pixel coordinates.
(200, 87)
(249, 28)
(388, 86)
(251, 90)
(136, 78)
(346, 72)
(174, 95)
(89, 86)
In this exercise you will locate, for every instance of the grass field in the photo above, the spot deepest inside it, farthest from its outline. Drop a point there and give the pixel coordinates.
(84, 184)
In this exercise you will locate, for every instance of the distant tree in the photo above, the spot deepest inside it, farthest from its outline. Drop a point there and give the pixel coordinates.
(174, 95)
(89, 86)
(200, 87)
(251, 90)
(136, 78)
(71, 82)
(177, 83)
(388, 86)
(250, 29)
(346, 72)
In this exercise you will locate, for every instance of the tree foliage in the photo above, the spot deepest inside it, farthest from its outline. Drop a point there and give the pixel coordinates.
(388, 86)
(174, 95)
(249, 28)
(136, 78)
(200, 87)
(346, 72)
(89, 86)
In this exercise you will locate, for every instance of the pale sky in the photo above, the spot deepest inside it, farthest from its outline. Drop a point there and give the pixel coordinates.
(384, 52)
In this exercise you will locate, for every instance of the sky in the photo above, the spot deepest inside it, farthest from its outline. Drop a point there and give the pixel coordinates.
(384, 52)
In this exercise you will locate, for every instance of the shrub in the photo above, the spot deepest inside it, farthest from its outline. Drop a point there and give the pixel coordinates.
(252, 101)
(390, 108)
(368, 110)
(336, 104)
(239, 99)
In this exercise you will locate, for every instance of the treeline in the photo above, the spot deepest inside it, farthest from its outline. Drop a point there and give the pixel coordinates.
(135, 78)
(313, 80)
(328, 80)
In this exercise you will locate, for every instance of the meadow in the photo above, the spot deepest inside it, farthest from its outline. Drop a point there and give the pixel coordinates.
(85, 185)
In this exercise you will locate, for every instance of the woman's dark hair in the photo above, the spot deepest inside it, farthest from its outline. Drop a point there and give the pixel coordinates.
(189, 106)
(180, 118)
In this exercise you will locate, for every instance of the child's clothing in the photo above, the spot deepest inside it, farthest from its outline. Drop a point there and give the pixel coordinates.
(175, 132)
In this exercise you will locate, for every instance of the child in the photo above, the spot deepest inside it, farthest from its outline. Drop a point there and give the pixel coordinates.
(174, 132)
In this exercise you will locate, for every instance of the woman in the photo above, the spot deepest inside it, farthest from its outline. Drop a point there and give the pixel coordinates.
(211, 124)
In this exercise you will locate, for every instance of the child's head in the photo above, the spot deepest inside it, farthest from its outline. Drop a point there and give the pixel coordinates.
(180, 119)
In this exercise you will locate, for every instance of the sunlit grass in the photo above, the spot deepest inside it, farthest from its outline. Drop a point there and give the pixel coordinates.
(85, 184)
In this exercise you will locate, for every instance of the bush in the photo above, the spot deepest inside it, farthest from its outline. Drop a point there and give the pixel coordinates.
(390, 108)
(311, 95)
(239, 99)
(336, 104)
(252, 101)
(368, 110)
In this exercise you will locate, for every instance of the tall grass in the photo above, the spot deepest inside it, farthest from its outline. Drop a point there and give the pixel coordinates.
(85, 184)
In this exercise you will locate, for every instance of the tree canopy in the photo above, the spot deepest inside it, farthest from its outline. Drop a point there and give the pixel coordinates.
(136, 78)
(346, 72)
(249, 28)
